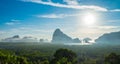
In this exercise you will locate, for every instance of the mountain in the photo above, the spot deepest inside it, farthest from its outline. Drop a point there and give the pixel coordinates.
(87, 40)
(16, 38)
(60, 37)
(76, 40)
(112, 38)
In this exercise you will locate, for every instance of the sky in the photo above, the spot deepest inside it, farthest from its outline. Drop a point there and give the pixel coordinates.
(76, 18)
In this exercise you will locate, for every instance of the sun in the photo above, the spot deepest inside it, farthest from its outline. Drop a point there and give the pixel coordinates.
(89, 19)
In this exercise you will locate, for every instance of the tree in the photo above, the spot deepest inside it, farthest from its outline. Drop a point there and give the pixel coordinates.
(44, 62)
(112, 59)
(11, 59)
(64, 56)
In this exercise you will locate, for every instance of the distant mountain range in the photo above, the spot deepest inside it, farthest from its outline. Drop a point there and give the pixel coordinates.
(17, 38)
(112, 38)
(60, 37)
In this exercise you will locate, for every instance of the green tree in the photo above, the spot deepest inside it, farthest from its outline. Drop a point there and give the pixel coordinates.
(64, 56)
(63, 61)
(44, 62)
(11, 59)
(112, 59)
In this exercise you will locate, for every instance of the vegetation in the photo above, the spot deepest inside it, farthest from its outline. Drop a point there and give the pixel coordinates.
(37, 53)
(112, 59)
(11, 59)
(64, 56)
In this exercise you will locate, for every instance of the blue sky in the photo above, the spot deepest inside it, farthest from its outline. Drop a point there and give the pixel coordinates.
(39, 18)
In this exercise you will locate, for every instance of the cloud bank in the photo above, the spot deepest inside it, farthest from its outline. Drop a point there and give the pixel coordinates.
(73, 4)
(13, 22)
(53, 16)
(115, 10)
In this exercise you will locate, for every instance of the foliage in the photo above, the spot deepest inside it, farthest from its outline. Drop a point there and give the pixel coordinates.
(64, 56)
(112, 58)
(11, 59)
(38, 53)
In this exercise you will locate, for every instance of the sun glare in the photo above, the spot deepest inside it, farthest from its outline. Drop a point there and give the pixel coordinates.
(89, 19)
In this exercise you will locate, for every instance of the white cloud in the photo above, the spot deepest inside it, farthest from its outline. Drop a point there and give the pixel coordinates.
(56, 15)
(27, 29)
(13, 22)
(94, 31)
(115, 10)
(107, 27)
(71, 2)
(2, 32)
(51, 16)
(72, 6)
(117, 20)
(9, 23)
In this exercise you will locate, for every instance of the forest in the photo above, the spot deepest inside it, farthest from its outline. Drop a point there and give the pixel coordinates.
(47, 53)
